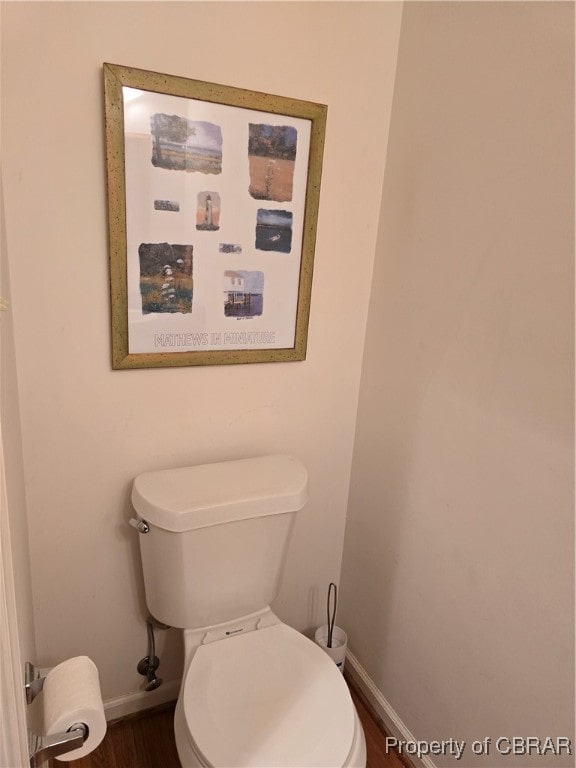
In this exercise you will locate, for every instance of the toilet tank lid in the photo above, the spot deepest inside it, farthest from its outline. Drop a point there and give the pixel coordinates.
(209, 494)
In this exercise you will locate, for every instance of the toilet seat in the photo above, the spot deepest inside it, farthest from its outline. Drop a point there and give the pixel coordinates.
(269, 698)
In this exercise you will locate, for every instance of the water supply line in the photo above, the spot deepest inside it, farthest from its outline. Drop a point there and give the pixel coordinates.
(149, 664)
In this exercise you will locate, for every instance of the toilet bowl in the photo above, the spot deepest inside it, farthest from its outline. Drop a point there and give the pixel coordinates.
(263, 698)
(255, 692)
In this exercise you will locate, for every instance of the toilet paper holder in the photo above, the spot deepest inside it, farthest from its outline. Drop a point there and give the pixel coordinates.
(42, 748)
(34, 680)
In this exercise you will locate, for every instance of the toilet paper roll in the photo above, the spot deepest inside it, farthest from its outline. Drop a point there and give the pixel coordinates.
(72, 695)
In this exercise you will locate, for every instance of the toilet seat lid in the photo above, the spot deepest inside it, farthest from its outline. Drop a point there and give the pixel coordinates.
(269, 698)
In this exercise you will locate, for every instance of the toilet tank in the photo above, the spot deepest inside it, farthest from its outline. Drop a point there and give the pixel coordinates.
(217, 536)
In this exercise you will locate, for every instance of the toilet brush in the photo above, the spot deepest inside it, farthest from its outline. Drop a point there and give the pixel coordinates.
(332, 589)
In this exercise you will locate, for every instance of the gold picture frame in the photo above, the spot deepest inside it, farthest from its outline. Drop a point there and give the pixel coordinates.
(213, 195)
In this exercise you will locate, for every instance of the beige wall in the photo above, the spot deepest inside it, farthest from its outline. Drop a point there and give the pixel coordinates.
(87, 431)
(458, 577)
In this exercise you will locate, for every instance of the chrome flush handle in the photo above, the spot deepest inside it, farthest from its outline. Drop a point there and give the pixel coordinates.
(140, 525)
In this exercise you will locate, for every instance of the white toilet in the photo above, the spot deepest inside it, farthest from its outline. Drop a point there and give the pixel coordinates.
(255, 692)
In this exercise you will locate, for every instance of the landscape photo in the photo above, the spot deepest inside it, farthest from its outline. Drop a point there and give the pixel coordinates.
(166, 205)
(166, 283)
(273, 230)
(230, 248)
(179, 144)
(271, 157)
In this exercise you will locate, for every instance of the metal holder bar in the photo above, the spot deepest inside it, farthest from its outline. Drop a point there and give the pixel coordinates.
(34, 680)
(42, 748)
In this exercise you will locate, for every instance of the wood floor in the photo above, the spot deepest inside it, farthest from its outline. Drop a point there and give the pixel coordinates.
(146, 740)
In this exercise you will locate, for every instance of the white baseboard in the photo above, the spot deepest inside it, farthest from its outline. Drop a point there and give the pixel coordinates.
(137, 701)
(394, 725)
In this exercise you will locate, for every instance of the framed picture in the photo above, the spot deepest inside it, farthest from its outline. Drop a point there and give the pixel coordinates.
(213, 198)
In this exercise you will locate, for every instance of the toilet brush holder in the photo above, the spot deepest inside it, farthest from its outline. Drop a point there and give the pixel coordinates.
(339, 644)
